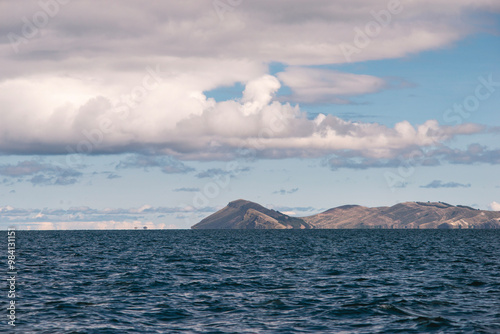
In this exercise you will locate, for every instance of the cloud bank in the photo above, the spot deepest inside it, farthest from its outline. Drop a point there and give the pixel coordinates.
(39, 173)
(134, 78)
(211, 130)
(90, 218)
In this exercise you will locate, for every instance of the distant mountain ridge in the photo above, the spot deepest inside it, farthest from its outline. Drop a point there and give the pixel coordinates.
(242, 214)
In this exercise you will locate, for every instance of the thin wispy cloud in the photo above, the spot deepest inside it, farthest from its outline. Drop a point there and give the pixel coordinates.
(286, 191)
(218, 172)
(166, 164)
(441, 184)
(475, 153)
(304, 209)
(184, 189)
(311, 85)
(442, 155)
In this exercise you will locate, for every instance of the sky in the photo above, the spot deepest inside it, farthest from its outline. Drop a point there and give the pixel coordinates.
(156, 114)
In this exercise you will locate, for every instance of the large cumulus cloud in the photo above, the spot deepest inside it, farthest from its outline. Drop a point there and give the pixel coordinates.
(188, 125)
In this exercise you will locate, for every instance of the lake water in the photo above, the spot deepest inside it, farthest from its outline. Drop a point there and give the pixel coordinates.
(260, 281)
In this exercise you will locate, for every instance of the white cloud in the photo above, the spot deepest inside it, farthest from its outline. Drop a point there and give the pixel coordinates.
(315, 85)
(494, 206)
(258, 94)
(6, 208)
(142, 208)
(289, 213)
(192, 126)
(133, 78)
(293, 32)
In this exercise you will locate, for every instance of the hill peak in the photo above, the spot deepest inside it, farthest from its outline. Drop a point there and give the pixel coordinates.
(239, 203)
(243, 214)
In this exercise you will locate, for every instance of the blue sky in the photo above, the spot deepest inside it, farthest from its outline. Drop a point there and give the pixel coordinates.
(158, 115)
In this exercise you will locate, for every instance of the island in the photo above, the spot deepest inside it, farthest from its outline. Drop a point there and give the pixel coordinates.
(242, 214)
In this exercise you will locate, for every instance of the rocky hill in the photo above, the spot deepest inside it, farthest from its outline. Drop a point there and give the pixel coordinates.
(241, 214)
(406, 215)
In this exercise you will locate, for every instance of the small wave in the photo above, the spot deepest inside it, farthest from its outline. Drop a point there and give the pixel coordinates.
(476, 283)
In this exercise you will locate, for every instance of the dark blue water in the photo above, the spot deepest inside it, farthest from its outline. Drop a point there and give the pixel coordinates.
(324, 281)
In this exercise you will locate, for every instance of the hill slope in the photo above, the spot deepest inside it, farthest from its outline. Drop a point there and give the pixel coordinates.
(406, 215)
